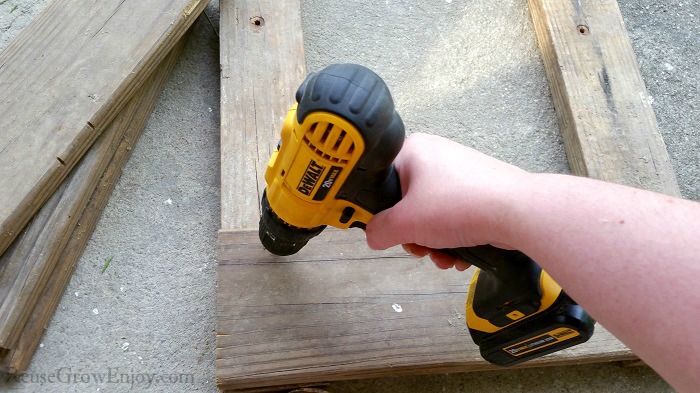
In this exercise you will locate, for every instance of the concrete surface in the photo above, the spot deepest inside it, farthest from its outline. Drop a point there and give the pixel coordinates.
(466, 69)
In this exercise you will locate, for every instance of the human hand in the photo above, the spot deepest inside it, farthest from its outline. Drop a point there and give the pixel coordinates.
(453, 196)
(440, 259)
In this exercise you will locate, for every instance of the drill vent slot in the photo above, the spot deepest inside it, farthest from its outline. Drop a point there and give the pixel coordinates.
(330, 142)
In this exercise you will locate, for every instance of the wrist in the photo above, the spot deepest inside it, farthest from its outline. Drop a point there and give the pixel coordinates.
(514, 200)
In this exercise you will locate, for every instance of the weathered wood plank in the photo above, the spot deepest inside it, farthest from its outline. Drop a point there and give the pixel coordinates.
(63, 80)
(262, 64)
(28, 263)
(604, 111)
(91, 181)
(330, 313)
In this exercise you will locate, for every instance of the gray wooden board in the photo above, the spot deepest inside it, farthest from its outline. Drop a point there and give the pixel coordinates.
(85, 194)
(63, 79)
(262, 64)
(27, 264)
(330, 313)
(604, 110)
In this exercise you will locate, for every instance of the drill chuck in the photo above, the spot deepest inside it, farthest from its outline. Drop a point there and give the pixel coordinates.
(280, 238)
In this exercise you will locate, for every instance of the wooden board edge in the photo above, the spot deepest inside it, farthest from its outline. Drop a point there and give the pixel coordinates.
(273, 383)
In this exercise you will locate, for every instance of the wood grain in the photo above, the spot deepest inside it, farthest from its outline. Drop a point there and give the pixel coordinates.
(329, 313)
(64, 79)
(29, 262)
(92, 181)
(262, 64)
(604, 110)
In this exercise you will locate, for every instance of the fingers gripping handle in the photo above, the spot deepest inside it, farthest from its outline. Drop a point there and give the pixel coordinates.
(509, 281)
(490, 259)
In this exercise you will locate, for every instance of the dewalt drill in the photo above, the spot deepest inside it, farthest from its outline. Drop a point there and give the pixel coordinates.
(333, 166)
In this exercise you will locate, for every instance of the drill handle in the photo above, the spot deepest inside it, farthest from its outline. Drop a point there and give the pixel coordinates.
(491, 259)
(508, 285)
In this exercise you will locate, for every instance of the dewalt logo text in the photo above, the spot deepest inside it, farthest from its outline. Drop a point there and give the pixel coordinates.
(310, 178)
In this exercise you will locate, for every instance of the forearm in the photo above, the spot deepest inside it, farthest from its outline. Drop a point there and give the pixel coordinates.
(631, 258)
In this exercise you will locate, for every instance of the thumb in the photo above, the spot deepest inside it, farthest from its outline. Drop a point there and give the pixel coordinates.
(389, 227)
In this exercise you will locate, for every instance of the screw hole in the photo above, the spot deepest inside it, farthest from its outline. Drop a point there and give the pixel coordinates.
(583, 29)
(257, 21)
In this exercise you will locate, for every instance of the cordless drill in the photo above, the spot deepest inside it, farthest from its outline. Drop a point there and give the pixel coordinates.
(333, 166)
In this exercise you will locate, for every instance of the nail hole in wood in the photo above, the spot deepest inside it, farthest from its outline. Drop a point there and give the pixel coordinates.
(583, 29)
(257, 21)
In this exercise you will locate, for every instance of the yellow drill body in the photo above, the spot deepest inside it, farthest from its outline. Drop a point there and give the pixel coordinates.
(312, 163)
